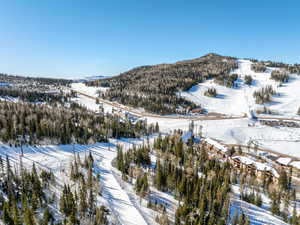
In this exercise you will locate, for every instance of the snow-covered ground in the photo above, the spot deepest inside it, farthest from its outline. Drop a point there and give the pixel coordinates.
(91, 104)
(257, 215)
(89, 90)
(238, 131)
(230, 101)
(239, 100)
(118, 196)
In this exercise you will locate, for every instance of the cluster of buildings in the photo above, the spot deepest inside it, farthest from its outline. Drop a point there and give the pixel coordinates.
(259, 165)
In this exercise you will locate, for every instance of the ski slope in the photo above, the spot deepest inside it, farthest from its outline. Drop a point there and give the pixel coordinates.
(239, 100)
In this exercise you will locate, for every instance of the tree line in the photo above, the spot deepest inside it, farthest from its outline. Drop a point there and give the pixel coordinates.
(37, 81)
(35, 96)
(44, 123)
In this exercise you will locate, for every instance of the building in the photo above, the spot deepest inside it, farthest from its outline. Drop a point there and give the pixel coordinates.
(252, 166)
(216, 146)
(284, 162)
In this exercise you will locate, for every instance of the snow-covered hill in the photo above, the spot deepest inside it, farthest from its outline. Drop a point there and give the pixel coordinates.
(239, 100)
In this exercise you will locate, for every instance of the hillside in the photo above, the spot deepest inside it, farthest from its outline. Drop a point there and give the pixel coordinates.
(212, 82)
(155, 88)
(241, 98)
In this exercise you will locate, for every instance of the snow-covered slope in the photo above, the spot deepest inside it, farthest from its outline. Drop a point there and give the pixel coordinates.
(228, 101)
(240, 99)
(57, 158)
(118, 196)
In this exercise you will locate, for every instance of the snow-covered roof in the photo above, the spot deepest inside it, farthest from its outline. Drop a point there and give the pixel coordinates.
(244, 160)
(284, 160)
(216, 144)
(275, 173)
(262, 166)
(250, 161)
(295, 164)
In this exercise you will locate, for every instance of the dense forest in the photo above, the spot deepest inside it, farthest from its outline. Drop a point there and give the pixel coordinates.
(34, 89)
(12, 79)
(40, 123)
(155, 88)
(35, 96)
(202, 183)
(30, 196)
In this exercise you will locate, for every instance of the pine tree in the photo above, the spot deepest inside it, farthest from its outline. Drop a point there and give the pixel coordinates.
(82, 202)
(1, 166)
(16, 214)
(6, 217)
(29, 217)
(156, 127)
(283, 179)
(120, 159)
(159, 176)
(47, 217)
(91, 202)
(247, 222)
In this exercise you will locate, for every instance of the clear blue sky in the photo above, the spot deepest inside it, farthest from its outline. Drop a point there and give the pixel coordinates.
(77, 38)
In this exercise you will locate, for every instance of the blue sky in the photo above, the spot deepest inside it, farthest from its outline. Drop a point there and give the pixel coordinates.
(78, 38)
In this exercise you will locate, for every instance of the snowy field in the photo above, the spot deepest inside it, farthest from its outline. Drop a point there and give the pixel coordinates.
(283, 140)
(92, 91)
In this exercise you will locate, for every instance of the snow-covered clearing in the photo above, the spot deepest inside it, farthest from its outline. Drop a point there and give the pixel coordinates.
(91, 104)
(89, 90)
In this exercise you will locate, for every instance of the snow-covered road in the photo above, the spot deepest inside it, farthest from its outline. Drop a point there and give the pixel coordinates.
(112, 191)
